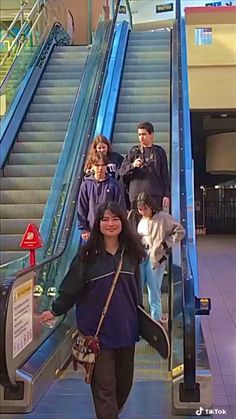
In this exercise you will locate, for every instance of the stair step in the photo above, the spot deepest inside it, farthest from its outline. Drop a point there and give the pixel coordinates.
(58, 91)
(10, 241)
(124, 147)
(50, 108)
(134, 46)
(148, 55)
(22, 211)
(33, 158)
(57, 136)
(128, 138)
(75, 68)
(141, 75)
(160, 108)
(32, 171)
(70, 56)
(65, 48)
(76, 75)
(24, 197)
(60, 83)
(148, 91)
(141, 98)
(17, 226)
(21, 183)
(131, 126)
(54, 99)
(162, 119)
(67, 61)
(134, 67)
(47, 117)
(45, 126)
(151, 35)
(9, 256)
(146, 82)
(38, 147)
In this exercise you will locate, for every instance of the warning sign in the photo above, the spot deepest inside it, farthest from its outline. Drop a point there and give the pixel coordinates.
(22, 317)
(31, 238)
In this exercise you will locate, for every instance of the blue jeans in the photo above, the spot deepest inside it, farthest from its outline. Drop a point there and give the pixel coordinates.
(152, 278)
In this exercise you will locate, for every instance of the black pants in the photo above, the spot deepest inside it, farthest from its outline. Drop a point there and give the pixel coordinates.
(112, 381)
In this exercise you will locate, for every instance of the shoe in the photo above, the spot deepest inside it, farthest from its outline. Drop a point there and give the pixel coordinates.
(51, 292)
(38, 290)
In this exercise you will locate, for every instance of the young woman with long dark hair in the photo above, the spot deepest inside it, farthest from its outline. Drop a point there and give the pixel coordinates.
(159, 231)
(87, 285)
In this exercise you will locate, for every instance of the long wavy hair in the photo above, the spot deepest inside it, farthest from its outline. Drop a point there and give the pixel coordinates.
(127, 238)
(93, 149)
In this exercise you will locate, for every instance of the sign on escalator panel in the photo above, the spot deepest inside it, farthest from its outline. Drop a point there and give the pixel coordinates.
(22, 317)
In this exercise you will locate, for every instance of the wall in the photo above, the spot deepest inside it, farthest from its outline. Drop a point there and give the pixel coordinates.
(79, 10)
(221, 152)
(212, 68)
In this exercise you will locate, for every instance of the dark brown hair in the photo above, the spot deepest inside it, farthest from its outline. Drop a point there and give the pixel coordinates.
(146, 199)
(146, 125)
(130, 240)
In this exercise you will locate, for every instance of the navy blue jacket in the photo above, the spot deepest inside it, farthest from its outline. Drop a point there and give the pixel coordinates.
(87, 284)
(94, 193)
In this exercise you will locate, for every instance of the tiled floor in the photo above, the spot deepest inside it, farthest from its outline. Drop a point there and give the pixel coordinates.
(217, 279)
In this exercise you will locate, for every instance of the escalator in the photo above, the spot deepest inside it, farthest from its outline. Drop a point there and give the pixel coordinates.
(27, 178)
(145, 89)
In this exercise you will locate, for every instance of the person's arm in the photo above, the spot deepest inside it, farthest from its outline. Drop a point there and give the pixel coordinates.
(175, 232)
(129, 165)
(72, 284)
(83, 208)
(165, 174)
(118, 194)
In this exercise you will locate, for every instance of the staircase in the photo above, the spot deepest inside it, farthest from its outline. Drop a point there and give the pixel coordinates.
(145, 90)
(27, 177)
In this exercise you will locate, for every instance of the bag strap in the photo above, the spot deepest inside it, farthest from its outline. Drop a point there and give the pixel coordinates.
(112, 289)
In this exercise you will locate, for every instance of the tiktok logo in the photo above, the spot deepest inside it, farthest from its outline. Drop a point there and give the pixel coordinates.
(199, 411)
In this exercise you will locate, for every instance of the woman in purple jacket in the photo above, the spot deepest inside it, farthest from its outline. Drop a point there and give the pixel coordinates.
(96, 189)
(87, 285)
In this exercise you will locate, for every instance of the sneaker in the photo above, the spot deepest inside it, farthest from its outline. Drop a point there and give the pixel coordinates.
(51, 292)
(38, 290)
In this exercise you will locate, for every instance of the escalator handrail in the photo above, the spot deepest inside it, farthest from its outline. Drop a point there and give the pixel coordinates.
(7, 284)
(189, 342)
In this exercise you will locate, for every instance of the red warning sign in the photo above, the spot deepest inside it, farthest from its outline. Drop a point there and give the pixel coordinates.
(31, 238)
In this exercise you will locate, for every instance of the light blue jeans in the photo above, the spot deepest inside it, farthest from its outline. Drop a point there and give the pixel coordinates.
(152, 278)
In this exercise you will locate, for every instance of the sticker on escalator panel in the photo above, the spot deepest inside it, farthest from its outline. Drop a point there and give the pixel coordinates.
(22, 317)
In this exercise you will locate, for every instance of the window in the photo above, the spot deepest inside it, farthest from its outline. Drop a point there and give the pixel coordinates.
(203, 36)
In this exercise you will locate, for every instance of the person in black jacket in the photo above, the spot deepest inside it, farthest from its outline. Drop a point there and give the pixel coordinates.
(145, 169)
(87, 285)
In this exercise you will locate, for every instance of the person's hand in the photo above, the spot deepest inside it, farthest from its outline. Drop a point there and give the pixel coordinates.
(137, 162)
(46, 316)
(165, 202)
(155, 265)
(85, 235)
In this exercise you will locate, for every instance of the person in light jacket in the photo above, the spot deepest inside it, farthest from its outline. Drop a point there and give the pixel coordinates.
(159, 231)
